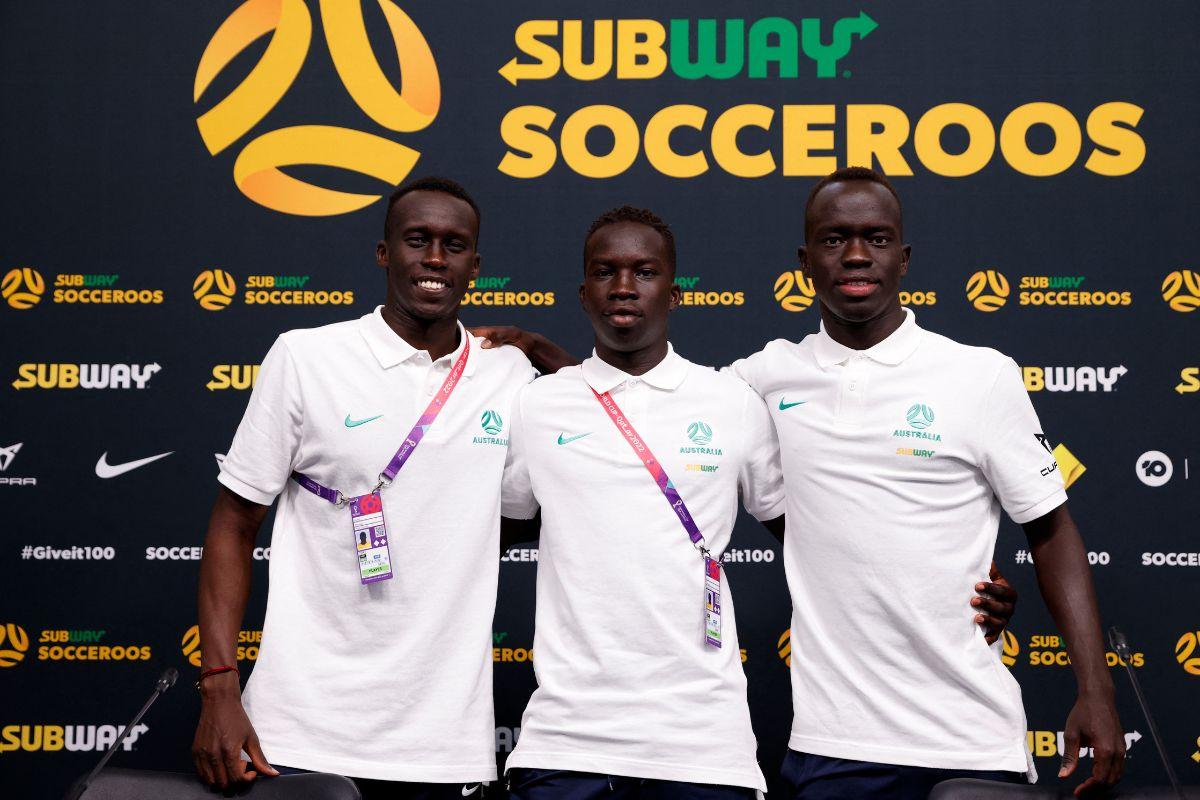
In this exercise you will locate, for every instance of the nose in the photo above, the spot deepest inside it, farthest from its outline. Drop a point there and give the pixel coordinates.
(624, 286)
(434, 256)
(856, 253)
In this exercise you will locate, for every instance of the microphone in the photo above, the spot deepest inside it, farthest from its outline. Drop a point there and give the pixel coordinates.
(165, 681)
(1121, 645)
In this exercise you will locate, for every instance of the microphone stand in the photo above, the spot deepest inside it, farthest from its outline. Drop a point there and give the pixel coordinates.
(1121, 646)
(165, 681)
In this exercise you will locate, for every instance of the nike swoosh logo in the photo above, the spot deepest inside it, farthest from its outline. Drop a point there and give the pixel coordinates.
(785, 406)
(106, 470)
(354, 423)
(468, 792)
(569, 439)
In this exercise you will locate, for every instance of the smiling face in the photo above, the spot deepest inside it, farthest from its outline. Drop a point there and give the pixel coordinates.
(628, 286)
(430, 254)
(854, 255)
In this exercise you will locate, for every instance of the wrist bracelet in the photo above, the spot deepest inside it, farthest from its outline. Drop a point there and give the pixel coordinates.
(208, 673)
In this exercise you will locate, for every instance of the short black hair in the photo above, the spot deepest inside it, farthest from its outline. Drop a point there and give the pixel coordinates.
(642, 216)
(430, 183)
(844, 175)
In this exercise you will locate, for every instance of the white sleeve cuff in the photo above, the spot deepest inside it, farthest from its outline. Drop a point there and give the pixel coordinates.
(243, 489)
(1040, 509)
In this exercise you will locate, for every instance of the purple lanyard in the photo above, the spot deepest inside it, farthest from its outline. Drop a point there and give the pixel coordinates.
(656, 469)
(410, 442)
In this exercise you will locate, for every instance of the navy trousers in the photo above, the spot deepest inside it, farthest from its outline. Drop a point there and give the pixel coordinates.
(558, 784)
(398, 790)
(809, 777)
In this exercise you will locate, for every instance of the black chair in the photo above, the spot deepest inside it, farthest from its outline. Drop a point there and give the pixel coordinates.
(136, 784)
(971, 789)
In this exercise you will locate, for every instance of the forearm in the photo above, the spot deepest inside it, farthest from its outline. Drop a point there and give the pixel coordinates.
(1065, 580)
(547, 356)
(225, 576)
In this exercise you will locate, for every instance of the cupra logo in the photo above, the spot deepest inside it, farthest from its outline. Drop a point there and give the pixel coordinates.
(289, 24)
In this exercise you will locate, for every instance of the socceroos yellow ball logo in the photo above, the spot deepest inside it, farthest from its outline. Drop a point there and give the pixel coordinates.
(214, 289)
(1181, 290)
(785, 647)
(987, 290)
(22, 288)
(13, 644)
(257, 170)
(1012, 648)
(191, 645)
(1185, 652)
(794, 291)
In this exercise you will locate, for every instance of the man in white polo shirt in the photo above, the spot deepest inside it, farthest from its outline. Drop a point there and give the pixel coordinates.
(900, 447)
(376, 653)
(630, 457)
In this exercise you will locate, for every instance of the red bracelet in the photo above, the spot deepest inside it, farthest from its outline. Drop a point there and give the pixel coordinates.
(208, 673)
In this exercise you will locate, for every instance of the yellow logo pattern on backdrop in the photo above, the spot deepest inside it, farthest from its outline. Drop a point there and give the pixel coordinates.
(257, 170)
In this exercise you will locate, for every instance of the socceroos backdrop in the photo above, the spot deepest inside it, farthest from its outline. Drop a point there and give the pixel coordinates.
(183, 182)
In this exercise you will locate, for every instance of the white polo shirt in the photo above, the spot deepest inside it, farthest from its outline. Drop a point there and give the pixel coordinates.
(393, 680)
(626, 684)
(897, 461)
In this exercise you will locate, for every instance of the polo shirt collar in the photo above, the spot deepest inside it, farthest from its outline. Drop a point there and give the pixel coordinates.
(390, 349)
(893, 350)
(666, 374)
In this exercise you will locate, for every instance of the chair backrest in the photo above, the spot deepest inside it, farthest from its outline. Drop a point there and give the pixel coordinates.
(136, 784)
(970, 789)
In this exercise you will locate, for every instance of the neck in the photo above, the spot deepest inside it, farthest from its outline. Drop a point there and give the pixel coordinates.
(438, 337)
(633, 362)
(862, 335)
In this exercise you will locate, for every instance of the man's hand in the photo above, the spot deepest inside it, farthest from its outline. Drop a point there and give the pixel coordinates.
(223, 733)
(1093, 722)
(546, 356)
(500, 335)
(995, 604)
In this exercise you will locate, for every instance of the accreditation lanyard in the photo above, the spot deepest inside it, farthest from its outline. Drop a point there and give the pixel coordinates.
(366, 510)
(712, 567)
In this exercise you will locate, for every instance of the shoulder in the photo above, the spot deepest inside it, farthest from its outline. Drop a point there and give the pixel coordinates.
(725, 384)
(757, 369)
(506, 360)
(313, 343)
(975, 359)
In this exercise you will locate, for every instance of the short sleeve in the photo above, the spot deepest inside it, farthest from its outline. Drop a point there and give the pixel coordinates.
(746, 370)
(516, 492)
(1017, 458)
(761, 476)
(259, 461)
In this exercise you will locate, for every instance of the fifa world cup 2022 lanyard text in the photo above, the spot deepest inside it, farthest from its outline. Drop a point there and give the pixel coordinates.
(712, 567)
(366, 510)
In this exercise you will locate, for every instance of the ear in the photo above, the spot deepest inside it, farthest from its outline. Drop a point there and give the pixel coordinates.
(381, 254)
(907, 249)
(475, 267)
(802, 257)
(676, 295)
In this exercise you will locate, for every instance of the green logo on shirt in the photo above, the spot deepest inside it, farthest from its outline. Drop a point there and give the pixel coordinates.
(785, 406)
(700, 433)
(354, 423)
(920, 416)
(491, 422)
(568, 439)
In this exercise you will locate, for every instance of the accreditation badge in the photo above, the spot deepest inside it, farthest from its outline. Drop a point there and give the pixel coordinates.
(370, 538)
(712, 602)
